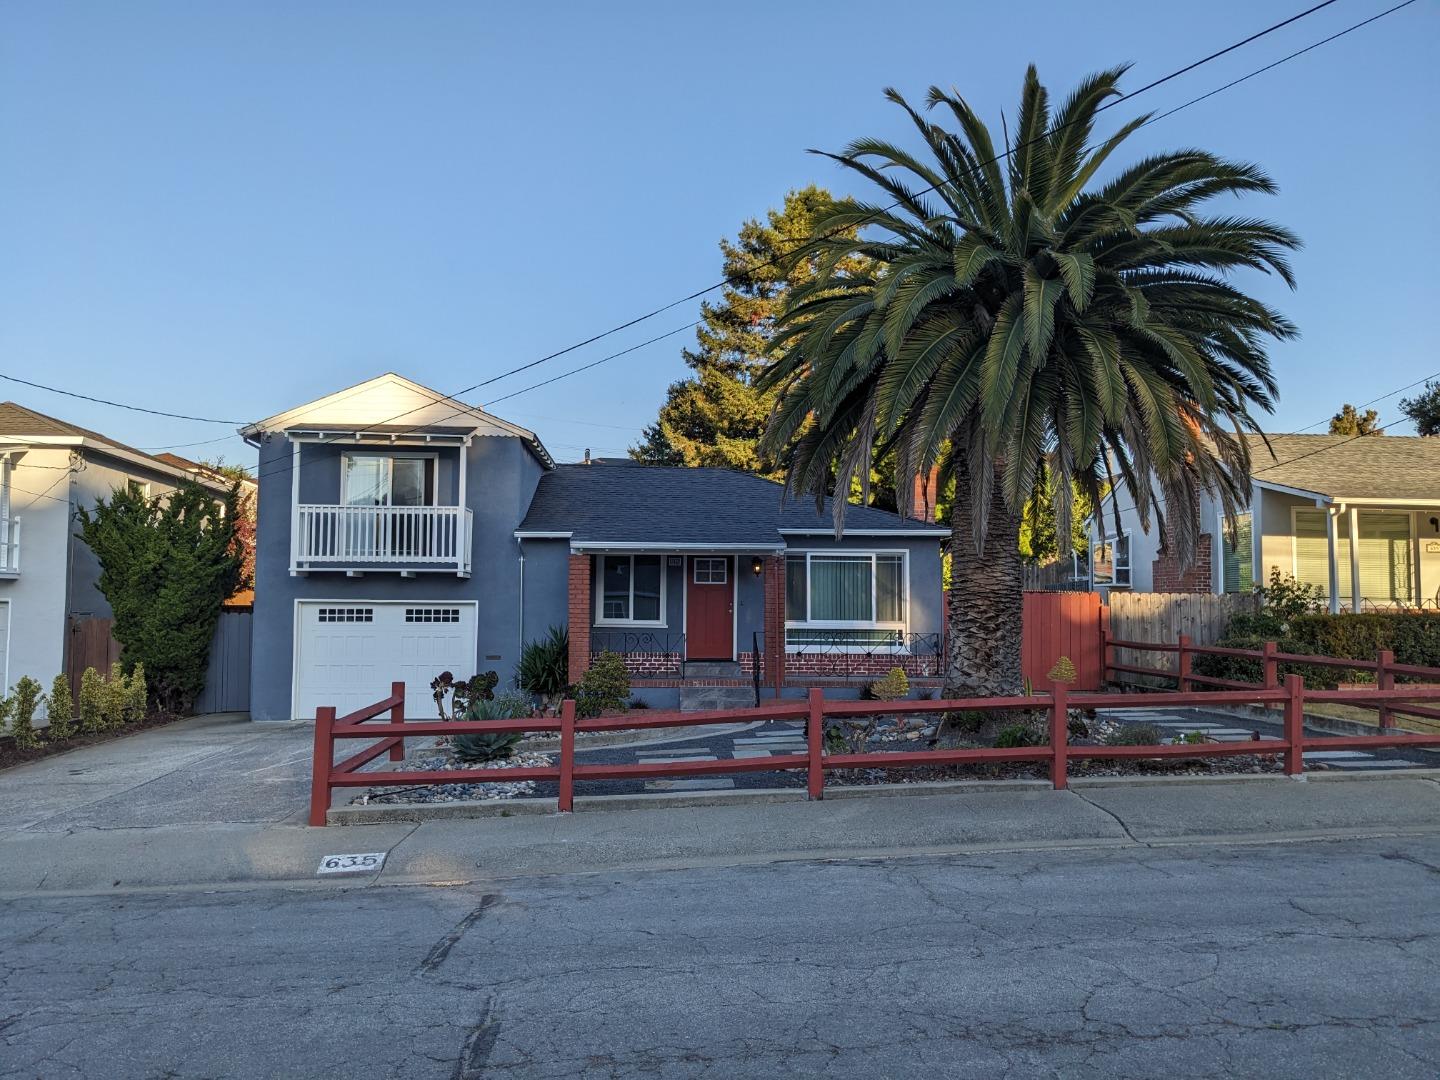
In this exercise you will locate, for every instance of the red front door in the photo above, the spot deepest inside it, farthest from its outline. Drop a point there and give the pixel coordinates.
(709, 608)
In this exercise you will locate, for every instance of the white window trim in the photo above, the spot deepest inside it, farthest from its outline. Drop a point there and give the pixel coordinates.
(1129, 567)
(599, 586)
(903, 626)
(432, 495)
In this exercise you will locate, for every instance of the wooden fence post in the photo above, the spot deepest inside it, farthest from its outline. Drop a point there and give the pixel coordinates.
(1104, 645)
(323, 761)
(1294, 725)
(1183, 652)
(1271, 671)
(1059, 736)
(397, 716)
(566, 801)
(1384, 680)
(815, 743)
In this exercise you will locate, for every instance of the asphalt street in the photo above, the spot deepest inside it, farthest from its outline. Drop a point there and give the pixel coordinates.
(1314, 959)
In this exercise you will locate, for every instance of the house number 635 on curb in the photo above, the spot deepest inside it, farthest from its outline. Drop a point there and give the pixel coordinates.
(362, 863)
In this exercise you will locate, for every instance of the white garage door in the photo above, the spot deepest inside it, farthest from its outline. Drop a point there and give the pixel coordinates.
(348, 654)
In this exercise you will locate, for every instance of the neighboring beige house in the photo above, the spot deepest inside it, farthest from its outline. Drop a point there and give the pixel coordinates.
(1355, 517)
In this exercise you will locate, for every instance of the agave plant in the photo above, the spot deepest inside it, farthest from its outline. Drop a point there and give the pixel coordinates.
(1023, 323)
(472, 748)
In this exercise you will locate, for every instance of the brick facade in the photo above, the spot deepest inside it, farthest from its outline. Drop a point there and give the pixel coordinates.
(1167, 577)
(861, 665)
(580, 592)
(774, 674)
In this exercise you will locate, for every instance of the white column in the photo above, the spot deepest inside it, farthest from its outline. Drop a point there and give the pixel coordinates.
(1334, 560)
(1355, 597)
(294, 504)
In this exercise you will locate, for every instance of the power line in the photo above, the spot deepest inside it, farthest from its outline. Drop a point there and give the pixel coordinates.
(733, 278)
(1327, 446)
(1372, 401)
(285, 467)
(118, 404)
(593, 363)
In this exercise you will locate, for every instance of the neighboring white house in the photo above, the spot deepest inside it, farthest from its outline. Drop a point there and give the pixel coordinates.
(49, 469)
(1351, 516)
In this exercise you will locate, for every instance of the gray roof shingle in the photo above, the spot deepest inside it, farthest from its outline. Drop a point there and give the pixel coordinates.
(600, 504)
(1343, 467)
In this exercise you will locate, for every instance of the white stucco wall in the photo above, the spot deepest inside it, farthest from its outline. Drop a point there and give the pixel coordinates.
(39, 498)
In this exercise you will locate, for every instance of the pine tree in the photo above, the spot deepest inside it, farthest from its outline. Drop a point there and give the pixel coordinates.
(715, 417)
(1350, 421)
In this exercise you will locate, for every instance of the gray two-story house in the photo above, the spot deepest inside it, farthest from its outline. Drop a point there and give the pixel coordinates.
(403, 533)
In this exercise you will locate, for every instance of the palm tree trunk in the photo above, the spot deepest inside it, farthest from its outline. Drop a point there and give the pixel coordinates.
(985, 599)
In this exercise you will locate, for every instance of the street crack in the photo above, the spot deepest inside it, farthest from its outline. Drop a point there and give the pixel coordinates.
(441, 949)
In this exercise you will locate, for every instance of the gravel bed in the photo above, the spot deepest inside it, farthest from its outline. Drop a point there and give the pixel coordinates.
(1100, 730)
(479, 790)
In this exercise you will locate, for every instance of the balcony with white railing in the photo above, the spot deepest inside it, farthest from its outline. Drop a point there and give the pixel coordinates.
(406, 539)
(9, 547)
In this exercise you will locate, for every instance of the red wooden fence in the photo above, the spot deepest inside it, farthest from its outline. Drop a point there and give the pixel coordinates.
(1060, 624)
(1291, 697)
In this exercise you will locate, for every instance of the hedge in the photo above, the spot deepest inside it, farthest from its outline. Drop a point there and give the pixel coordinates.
(1414, 638)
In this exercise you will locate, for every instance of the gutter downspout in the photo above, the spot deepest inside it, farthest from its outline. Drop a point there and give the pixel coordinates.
(520, 614)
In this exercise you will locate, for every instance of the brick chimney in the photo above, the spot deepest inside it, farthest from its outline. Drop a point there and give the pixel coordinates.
(923, 492)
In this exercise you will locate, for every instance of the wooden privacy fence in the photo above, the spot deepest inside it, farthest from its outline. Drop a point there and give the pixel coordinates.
(1200, 617)
(1060, 624)
(389, 735)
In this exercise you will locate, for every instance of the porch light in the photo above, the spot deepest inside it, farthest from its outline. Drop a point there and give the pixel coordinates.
(757, 566)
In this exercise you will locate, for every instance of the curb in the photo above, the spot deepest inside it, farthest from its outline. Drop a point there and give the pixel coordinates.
(422, 812)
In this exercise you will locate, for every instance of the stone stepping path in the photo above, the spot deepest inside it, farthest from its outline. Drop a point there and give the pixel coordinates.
(1337, 759)
(688, 783)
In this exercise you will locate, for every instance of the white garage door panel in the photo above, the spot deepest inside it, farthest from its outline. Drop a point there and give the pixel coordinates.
(348, 654)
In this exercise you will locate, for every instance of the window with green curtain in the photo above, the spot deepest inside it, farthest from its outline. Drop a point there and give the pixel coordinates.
(1312, 555)
(840, 589)
(795, 588)
(1239, 558)
(1387, 568)
(889, 588)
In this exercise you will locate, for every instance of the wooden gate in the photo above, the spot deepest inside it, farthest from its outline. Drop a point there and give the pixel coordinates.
(91, 645)
(1060, 624)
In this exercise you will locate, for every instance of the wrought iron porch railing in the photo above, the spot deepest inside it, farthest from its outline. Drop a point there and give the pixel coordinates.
(861, 653)
(647, 653)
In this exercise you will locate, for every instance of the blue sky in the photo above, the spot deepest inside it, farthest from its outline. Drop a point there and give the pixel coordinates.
(229, 209)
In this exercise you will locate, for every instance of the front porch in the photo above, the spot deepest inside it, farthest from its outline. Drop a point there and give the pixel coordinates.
(726, 621)
(1360, 554)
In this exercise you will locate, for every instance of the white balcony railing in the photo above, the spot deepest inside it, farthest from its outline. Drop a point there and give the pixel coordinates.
(389, 537)
(9, 547)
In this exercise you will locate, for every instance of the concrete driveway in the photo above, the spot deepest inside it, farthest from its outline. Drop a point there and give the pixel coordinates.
(204, 770)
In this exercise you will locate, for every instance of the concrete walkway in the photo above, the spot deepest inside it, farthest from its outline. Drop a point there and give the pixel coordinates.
(218, 801)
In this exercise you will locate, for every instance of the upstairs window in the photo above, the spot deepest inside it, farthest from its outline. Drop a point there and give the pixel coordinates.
(1110, 562)
(388, 480)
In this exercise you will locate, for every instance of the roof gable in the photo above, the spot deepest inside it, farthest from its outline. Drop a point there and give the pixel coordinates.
(391, 403)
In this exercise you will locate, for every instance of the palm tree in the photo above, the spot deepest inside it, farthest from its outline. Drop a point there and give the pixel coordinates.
(1018, 323)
